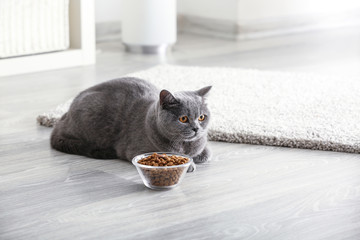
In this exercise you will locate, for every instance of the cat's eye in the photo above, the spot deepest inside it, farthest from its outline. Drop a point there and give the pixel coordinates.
(183, 119)
(202, 117)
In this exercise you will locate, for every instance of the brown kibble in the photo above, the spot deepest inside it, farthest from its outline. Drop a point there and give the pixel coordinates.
(163, 159)
(163, 176)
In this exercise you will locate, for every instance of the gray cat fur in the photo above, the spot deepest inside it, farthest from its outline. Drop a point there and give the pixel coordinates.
(125, 117)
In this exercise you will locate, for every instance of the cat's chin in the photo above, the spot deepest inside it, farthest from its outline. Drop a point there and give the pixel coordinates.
(192, 138)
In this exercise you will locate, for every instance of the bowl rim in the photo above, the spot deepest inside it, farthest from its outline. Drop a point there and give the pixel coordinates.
(141, 156)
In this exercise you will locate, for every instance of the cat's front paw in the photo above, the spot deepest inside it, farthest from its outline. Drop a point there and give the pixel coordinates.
(192, 167)
(203, 157)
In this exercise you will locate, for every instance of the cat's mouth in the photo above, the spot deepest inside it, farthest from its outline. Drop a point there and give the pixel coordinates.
(192, 136)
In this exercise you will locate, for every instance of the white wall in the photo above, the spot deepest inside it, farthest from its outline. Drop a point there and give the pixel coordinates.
(240, 16)
(262, 9)
(237, 10)
(107, 10)
(215, 9)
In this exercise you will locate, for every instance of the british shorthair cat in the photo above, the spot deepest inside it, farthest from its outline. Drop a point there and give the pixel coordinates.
(125, 117)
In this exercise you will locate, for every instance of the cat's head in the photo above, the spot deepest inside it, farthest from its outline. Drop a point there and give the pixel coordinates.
(184, 116)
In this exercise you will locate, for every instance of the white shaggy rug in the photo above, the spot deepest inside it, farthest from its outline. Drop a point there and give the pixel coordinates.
(269, 108)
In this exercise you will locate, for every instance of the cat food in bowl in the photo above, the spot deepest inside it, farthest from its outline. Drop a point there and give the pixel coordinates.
(162, 170)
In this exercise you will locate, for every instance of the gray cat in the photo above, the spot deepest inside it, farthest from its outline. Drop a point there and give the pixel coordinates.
(125, 117)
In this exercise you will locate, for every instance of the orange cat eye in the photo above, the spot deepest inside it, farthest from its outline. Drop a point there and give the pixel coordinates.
(183, 119)
(202, 117)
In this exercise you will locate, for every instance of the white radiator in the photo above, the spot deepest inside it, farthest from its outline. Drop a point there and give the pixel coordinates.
(33, 26)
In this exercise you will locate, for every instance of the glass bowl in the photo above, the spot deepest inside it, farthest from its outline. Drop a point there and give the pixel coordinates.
(161, 177)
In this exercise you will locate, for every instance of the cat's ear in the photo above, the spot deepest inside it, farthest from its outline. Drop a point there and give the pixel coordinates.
(166, 98)
(204, 92)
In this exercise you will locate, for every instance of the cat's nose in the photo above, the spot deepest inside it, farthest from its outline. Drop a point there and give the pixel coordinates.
(195, 129)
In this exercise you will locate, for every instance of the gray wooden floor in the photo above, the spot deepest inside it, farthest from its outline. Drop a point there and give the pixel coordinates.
(245, 192)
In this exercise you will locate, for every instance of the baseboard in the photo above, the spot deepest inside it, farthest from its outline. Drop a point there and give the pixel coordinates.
(207, 26)
(266, 27)
(107, 31)
(296, 24)
(246, 29)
